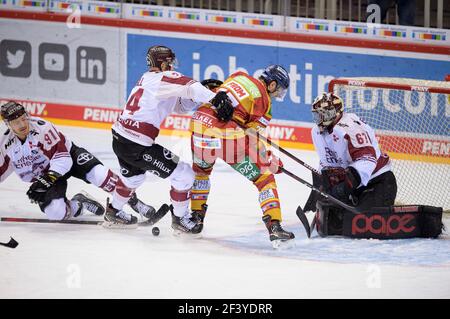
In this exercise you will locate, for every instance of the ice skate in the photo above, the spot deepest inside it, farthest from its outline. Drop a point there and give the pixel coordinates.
(199, 215)
(115, 218)
(140, 207)
(280, 238)
(87, 202)
(185, 225)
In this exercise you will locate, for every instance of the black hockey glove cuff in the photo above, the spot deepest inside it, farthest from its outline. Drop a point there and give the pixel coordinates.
(37, 191)
(211, 84)
(223, 106)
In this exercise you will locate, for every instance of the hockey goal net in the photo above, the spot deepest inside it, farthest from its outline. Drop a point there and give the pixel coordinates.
(411, 119)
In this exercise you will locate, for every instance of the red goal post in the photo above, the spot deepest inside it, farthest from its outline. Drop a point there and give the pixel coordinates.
(411, 119)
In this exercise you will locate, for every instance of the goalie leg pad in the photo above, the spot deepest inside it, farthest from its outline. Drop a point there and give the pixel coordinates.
(395, 222)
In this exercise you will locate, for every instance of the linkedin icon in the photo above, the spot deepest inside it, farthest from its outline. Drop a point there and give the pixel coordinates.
(91, 65)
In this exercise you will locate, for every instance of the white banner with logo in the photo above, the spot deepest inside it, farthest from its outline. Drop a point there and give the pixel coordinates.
(61, 62)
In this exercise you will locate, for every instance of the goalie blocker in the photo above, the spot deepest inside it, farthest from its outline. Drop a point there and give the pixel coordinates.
(394, 222)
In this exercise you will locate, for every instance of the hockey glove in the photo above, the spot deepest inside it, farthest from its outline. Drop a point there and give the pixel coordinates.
(331, 176)
(343, 190)
(223, 106)
(211, 84)
(37, 191)
(275, 163)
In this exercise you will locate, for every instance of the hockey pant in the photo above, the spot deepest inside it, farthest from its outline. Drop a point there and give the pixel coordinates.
(244, 156)
(85, 167)
(135, 160)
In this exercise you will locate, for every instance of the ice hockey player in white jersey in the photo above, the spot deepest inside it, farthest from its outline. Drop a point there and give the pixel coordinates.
(354, 170)
(159, 92)
(41, 155)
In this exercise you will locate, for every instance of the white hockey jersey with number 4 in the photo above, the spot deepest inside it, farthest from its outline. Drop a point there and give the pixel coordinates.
(156, 95)
(351, 143)
(44, 149)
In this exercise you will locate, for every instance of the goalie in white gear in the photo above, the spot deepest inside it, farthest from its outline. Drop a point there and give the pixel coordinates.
(43, 156)
(354, 170)
(159, 92)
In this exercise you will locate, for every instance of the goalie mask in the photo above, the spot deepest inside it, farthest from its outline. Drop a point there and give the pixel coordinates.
(326, 108)
(161, 57)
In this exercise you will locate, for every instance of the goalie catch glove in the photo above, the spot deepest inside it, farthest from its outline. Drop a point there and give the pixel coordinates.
(223, 106)
(37, 191)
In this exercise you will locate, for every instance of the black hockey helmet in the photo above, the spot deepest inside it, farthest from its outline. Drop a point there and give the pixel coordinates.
(12, 110)
(157, 55)
(278, 74)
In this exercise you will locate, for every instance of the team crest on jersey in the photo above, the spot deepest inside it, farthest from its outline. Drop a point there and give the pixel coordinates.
(83, 158)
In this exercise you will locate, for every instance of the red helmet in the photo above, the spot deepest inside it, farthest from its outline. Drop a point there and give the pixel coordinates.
(159, 54)
(326, 108)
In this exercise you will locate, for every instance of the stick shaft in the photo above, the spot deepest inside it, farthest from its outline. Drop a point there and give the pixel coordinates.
(48, 221)
(285, 152)
(327, 196)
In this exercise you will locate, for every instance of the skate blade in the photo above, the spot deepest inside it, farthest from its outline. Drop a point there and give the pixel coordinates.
(182, 234)
(112, 225)
(283, 244)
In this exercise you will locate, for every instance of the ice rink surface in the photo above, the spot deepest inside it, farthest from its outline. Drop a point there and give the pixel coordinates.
(233, 259)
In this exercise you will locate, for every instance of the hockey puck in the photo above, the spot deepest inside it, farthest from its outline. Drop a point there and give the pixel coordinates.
(155, 231)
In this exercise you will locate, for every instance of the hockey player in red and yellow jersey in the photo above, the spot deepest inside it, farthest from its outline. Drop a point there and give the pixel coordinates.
(230, 141)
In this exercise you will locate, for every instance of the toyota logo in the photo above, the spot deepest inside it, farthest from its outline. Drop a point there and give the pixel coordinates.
(83, 158)
(147, 157)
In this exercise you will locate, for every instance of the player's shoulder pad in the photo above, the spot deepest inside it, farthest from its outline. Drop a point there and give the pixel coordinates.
(38, 124)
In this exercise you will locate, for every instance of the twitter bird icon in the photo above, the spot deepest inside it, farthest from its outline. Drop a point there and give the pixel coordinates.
(15, 58)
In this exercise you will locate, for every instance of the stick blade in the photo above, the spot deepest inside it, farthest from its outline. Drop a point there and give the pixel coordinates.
(301, 215)
(157, 216)
(11, 244)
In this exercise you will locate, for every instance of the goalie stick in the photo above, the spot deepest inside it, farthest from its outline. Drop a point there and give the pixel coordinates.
(11, 244)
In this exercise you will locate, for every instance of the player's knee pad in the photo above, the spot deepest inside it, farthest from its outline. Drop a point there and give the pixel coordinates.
(57, 209)
(182, 177)
(133, 181)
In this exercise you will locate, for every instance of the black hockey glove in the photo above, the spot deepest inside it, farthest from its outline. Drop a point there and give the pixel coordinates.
(37, 191)
(223, 106)
(211, 84)
(344, 189)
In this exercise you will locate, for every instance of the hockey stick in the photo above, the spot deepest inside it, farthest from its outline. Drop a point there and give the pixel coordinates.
(325, 195)
(48, 221)
(11, 244)
(301, 215)
(160, 213)
(282, 150)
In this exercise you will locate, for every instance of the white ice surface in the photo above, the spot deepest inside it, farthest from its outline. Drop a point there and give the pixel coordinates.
(234, 259)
